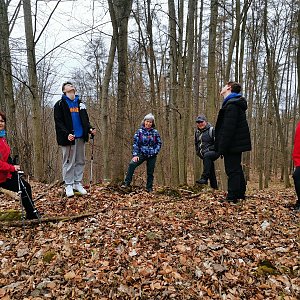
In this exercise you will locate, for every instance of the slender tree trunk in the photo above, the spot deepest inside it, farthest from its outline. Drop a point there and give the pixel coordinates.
(181, 59)
(196, 88)
(272, 86)
(119, 12)
(105, 110)
(6, 84)
(211, 73)
(34, 93)
(189, 121)
(173, 92)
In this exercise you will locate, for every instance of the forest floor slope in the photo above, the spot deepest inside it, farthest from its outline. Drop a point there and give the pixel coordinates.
(153, 246)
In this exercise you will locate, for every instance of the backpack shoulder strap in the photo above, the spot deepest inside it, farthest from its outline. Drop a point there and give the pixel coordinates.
(211, 132)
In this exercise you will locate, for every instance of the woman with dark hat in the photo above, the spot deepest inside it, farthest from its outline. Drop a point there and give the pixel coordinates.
(9, 178)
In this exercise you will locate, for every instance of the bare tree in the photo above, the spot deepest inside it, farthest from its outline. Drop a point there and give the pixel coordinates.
(211, 73)
(6, 79)
(34, 93)
(119, 12)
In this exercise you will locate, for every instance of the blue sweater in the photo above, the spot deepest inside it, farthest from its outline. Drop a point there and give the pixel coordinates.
(74, 109)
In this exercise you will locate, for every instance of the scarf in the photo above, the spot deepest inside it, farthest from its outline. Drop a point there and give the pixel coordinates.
(2, 133)
(230, 96)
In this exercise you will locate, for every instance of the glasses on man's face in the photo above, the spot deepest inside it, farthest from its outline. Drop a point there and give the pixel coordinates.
(2, 121)
(200, 122)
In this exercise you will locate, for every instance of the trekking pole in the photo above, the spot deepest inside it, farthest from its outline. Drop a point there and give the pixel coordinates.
(19, 173)
(23, 187)
(92, 160)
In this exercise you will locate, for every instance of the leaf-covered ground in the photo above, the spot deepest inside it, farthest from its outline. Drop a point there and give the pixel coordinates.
(153, 246)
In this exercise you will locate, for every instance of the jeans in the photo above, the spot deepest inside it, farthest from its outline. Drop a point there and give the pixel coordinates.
(150, 170)
(296, 177)
(12, 184)
(209, 168)
(236, 178)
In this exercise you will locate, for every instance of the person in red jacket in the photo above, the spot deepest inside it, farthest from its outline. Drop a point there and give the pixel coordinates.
(296, 159)
(9, 175)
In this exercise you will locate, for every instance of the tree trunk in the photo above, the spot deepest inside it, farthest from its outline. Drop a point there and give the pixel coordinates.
(272, 86)
(119, 12)
(6, 84)
(211, 73)
(173, 93)
(105, 110)
(189, 121)
(34, 94)
(196, 82)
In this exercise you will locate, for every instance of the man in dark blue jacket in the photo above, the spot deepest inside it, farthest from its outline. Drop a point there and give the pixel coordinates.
(233, 138)
(72, 131)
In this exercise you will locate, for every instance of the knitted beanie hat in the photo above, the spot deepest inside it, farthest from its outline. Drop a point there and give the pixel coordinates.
(149, 117)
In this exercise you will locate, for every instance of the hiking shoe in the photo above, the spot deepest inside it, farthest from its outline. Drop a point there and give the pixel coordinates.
(32, 216)
(297, 207)
(69, 190)
(125, 186)
(226, 200)
(79, 188)
(202, 181)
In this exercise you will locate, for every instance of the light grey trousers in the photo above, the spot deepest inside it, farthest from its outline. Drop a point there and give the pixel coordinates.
(73, 162)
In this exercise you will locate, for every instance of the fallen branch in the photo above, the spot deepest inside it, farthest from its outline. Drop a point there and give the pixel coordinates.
(9, 193)
(194, 196)
(47, 220)
(186, 191)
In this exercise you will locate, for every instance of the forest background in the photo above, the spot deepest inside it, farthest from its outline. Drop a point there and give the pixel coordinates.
(131, 57)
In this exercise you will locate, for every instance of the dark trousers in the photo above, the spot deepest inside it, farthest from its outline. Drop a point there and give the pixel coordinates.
(27, 202)
(209, 168)
(150, 170)
(235, 174)
(296, 177)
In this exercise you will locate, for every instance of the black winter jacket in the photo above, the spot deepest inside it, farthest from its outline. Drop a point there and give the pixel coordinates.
(64, 125)
(232, 130)
(204, 142)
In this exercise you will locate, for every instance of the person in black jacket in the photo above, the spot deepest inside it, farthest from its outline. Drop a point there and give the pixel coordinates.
(72, 127)
(232, 138)
(205, 149)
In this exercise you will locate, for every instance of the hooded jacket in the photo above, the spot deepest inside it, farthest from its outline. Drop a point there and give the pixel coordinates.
(5, 167)
(64, 123)
(232, 133)
(296, 150)
(146, 142)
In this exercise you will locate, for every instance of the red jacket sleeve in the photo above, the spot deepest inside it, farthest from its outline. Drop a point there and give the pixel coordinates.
(6, 167)
(296, 151)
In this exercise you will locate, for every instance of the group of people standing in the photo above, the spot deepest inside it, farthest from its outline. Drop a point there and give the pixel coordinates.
(228, 140)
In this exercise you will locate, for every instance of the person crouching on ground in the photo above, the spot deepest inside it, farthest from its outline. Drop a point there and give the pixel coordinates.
(9, 175)
(204, 144)
(146, 145)
(72, 127)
